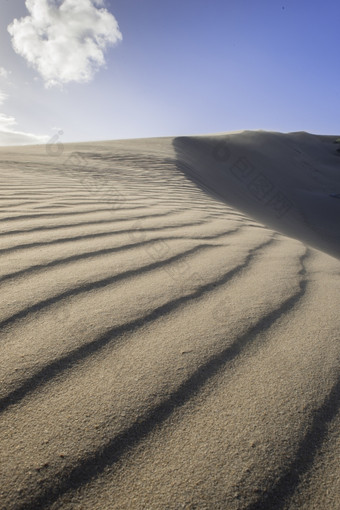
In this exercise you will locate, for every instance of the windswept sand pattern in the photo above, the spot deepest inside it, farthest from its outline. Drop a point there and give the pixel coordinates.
(159, 348)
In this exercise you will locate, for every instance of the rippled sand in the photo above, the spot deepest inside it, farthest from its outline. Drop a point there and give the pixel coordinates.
(161, 349)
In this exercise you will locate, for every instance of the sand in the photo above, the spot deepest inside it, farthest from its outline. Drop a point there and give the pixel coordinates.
(170, 324)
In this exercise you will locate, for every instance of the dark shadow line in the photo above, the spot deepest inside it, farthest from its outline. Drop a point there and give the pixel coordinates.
(278, 495)
(107, 251)
(57, 215)
(46, 228)
(99, 284)
(73, 203)
(60, 365)
(3, 208)
(50, 205)
(106, 456)
(63, 240)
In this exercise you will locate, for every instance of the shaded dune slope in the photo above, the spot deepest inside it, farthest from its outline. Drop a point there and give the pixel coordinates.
(290, 182)
(161, 349)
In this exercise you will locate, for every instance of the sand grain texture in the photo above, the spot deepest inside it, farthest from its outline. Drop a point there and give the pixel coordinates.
(162, 348)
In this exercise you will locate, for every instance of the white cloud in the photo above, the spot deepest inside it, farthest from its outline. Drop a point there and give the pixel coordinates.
(10, 136)
(65, 40)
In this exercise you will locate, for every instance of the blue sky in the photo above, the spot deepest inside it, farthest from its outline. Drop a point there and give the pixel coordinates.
(182, 67)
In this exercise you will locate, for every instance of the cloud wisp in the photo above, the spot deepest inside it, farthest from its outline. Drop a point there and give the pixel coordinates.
(65, 40)
(4, 74)
(9, 135)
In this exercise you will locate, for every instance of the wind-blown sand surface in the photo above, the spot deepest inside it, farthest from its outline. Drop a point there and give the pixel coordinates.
(161, 348)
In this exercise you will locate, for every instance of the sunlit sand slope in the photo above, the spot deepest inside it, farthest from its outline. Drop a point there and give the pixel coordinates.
(161, 349)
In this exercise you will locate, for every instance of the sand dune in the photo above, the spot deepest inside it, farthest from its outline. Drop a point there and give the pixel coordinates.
(166, 345)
